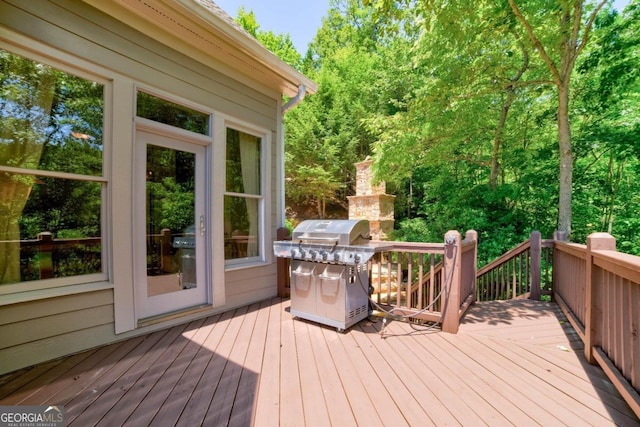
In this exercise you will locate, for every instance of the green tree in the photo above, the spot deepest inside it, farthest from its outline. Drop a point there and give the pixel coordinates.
(607, 110)
(557, 31)
(279, 44)
(559, 46)
(360, 73)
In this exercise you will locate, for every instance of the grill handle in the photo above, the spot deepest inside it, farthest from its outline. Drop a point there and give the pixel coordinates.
(328, 239)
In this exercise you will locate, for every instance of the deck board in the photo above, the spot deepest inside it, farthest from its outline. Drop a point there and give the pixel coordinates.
(408, 395)
(442, 382)
(243, 406)
(172, 408)
(290, 404)
(512, 363)
(333, 393)
(352, 381)
(192, 395)
(267, 409)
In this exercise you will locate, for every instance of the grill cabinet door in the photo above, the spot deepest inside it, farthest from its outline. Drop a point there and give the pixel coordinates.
(303, 286)
(331, 288)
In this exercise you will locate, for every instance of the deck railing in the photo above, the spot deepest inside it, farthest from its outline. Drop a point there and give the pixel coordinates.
(46, 257)
(599, 290)
(432, 282)
(597, 287)
(522, 272)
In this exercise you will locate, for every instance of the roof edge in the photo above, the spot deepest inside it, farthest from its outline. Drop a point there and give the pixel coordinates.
(211, 13)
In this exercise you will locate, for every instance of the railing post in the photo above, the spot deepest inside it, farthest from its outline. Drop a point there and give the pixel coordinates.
(558, 236)
(45, 254)
(165, 250)
(535, 251)
(282, 267)
(595, 241)
(472, 236)
(452, 281)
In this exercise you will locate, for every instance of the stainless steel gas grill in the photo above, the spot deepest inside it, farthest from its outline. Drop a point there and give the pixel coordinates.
(329, 270)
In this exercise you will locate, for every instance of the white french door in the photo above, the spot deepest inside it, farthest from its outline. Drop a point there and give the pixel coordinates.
(170, 257)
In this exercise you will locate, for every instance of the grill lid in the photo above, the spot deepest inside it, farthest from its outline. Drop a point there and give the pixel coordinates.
(335, 231)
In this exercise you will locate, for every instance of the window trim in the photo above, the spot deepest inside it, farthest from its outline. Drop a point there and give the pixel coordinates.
(46, 288)
(137, 87)
(263, 198)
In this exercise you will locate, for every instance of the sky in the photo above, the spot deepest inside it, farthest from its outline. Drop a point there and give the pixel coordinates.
(299, 19)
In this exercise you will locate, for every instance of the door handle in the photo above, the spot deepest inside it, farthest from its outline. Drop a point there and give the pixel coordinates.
(202, 228)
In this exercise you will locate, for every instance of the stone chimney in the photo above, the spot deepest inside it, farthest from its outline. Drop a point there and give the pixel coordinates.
(371, 202)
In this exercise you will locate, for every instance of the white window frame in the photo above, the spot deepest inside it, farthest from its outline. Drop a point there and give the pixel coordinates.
(46, 288)
(263, 198)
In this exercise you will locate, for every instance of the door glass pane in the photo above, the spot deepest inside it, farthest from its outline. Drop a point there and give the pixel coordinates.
(171, 227)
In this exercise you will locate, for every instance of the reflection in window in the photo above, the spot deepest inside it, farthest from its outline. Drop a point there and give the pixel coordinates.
(58, 221)
(170, 199)
(242, 202)
(163, 111)
(51, 121)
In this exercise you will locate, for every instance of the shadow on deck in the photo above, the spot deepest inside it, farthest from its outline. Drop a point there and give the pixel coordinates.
(512, 363)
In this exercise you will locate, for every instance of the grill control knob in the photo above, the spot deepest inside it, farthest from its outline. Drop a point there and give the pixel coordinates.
(356, 258)
(324, 255)
(312, 254)
(302, 253)
(336, 257)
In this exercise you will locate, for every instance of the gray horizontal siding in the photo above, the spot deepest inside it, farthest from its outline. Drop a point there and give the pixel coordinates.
(36, 331)
(79, 29)
(33, 332)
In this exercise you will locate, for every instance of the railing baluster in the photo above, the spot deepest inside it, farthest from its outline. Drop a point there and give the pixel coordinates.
(409, 292)
(398, 278)
(514, 281)
(389, 271)
(420, 302)
(432, 279)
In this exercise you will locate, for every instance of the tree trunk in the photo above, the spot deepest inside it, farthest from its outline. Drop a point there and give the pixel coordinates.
(497, 141)
(566, 159)
(573, 38)
(506, 106)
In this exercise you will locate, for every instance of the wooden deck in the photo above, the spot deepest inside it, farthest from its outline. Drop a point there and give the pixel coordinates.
(513, 363)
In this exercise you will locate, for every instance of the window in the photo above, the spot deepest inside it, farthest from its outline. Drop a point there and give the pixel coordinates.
(243, 197)
(51, 172)
(163, 111)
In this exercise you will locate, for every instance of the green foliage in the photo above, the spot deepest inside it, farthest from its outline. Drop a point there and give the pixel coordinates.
(279, 44)
(170, 189)
(461, 115)
(360, 72)
(484, 107)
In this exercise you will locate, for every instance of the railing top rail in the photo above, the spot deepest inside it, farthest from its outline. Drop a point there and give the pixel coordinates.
(548, 243)
(38, 242)
(522, 247)
(576, 249)
(417, 247)
(624, 265)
